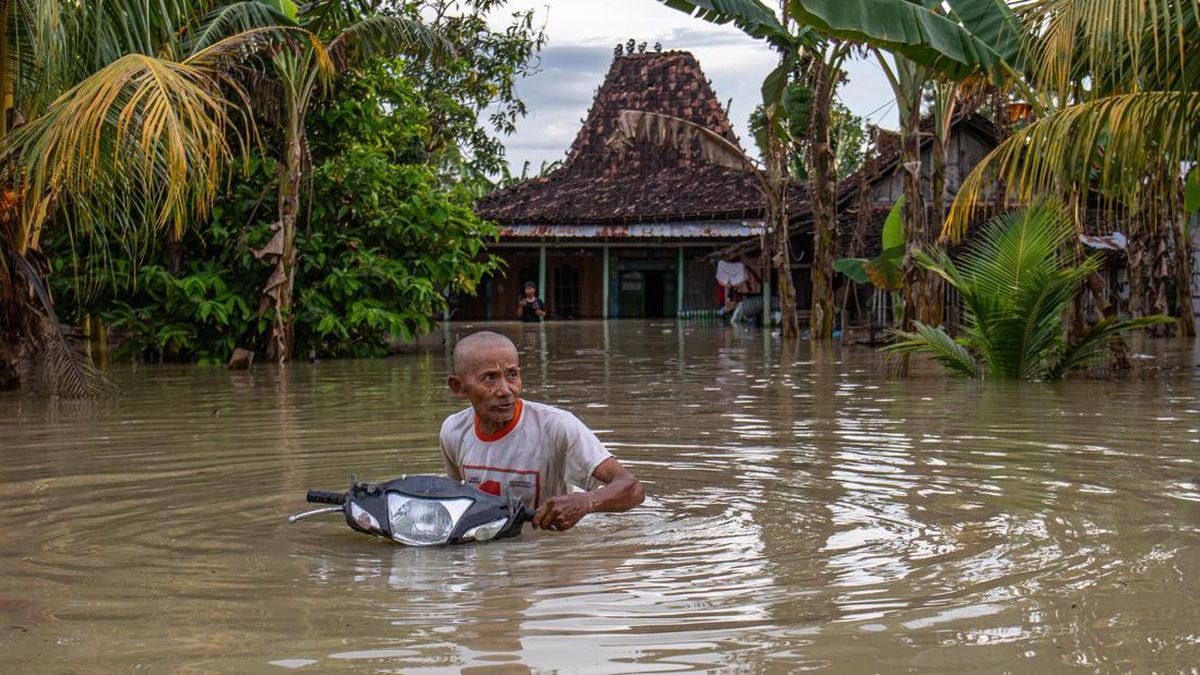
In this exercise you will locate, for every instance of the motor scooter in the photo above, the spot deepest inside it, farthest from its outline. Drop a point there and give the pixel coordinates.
(422, 510)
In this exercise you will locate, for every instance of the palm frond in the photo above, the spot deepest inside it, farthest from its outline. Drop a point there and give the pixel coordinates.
(676, 132)
(155, 127)
(1017, 248)
(1121, 46)
(100, 33)
(1112, 144)
(388, 36)
(1096, 340)
(62, 369)
(230, 20)
(938, 344)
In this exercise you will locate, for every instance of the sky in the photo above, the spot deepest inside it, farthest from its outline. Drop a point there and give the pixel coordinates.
(581, 35)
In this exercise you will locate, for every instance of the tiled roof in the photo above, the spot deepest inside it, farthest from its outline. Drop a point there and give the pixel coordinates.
(602, 182)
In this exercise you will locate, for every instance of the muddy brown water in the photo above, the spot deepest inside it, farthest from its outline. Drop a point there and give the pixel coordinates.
(804, 511)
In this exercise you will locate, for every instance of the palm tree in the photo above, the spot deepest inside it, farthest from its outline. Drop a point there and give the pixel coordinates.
(1118, 116)
(1016, 285)
(304, 70)
(133, 113)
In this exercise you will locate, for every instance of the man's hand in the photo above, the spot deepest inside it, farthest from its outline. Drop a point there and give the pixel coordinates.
(621, 492)
(562, 512)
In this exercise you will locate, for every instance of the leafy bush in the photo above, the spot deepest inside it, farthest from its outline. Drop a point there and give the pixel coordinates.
(387, 239)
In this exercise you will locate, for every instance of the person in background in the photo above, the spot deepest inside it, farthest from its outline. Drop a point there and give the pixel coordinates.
(531, 451)
(531, 308)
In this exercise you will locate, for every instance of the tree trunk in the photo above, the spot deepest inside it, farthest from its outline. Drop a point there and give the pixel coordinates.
(822, 192)
(935, 288)
(777, 223)
(1118, 353)
(915, 291)
(1160, 280)
(277, 294)
(781, 256)
(1184, 263)
(10, 356)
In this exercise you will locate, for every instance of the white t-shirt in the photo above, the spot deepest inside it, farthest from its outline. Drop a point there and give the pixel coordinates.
(539, 454)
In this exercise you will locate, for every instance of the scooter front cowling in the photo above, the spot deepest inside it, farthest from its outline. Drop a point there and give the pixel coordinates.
(427, 510)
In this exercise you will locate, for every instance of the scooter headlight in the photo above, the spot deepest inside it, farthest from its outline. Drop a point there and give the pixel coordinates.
(486, 531)
(424, 522)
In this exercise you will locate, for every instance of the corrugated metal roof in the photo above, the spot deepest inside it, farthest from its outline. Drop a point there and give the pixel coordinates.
(745, 228)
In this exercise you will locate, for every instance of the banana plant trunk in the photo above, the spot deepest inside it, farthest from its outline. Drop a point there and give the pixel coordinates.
(822, 194)
(915, 291)
(277, 294)
(1160, 279)
(777, 224)
(1184, 264)
(935, 290)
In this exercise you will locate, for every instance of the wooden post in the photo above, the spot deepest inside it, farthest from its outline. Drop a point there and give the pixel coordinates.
(679, 283)
(766, 294)
(542, 272)
(605, 283)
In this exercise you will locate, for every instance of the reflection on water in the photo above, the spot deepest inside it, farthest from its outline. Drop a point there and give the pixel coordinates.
(804, 510)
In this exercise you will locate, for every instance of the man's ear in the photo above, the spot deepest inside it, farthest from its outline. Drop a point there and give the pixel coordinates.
(456, 386)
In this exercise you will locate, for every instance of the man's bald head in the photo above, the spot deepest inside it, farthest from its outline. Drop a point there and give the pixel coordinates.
(466, 349)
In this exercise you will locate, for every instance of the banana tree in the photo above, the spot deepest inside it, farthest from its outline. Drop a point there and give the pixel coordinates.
(882, 272)
(824, 73)
(304, 70)
(954, 40)
(817, 64)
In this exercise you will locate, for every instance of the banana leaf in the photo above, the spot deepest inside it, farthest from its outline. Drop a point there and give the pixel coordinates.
(923, 34)
(884, 271)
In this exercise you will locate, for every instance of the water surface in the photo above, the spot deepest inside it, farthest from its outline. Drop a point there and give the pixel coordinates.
(804, 511)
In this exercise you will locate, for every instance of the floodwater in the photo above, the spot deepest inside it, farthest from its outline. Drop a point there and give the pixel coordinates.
(804, 511)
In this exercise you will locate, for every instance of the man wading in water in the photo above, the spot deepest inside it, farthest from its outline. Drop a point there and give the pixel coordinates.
(535, 452)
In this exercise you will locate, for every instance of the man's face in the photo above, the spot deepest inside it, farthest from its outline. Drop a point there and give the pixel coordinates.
(491, 380)
(529, 292)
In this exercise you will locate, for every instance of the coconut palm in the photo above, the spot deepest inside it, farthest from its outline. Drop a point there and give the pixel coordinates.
(1119, 116)
(1016, 285)
(132, 113)
(304, 70)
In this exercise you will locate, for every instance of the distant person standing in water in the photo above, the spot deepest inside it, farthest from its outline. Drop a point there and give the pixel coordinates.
(531, 451)
(531, 308)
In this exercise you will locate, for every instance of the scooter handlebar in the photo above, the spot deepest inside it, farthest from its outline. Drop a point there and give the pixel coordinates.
(323, 497)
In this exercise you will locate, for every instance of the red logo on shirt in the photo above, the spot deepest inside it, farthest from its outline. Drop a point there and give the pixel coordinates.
(491, 487)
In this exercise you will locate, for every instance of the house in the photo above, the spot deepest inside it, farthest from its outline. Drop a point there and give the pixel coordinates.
(620, 230)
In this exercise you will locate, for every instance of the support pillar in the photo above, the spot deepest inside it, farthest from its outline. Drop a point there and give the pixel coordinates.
(766, 316)
(604, 286)
(679, 283)
(542, 272)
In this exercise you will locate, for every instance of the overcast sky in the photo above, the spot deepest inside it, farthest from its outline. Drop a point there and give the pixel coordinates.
(581, 36)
